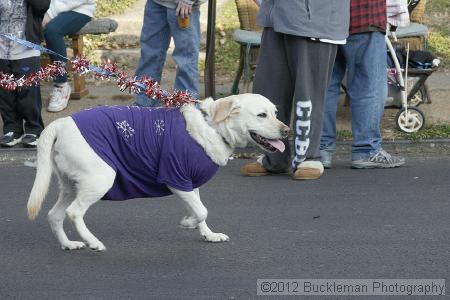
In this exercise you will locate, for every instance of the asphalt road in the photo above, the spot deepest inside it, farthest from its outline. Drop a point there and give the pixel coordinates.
(349, 224)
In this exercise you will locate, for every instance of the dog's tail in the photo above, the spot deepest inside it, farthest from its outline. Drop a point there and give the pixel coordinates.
(44, 170)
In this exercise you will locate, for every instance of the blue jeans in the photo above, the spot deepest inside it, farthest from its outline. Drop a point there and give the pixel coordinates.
(160, 24)
(364, 58)
(63, 24)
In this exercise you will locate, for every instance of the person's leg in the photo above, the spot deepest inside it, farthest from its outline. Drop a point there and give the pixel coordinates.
(367, 89)
(12, 122)
(63, 24)
(187, 48)
(155, 40)
(314, 61)
(273, 80)
(328, 138)
(28, 100)
(367, 82)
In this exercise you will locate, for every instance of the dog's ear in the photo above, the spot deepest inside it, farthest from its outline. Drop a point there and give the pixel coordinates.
(224, 108)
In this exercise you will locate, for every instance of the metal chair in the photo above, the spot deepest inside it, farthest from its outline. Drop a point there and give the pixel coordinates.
(249, 38)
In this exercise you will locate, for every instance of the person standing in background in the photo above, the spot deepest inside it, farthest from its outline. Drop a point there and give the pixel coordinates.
(62, 18)
(363, 59)
(21, 109)
(298, 49)
(164, 19)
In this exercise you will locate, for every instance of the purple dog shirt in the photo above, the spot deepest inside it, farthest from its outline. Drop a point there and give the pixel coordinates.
(148, 148)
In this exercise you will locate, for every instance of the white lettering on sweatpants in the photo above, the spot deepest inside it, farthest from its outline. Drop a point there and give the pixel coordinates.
(302, 131)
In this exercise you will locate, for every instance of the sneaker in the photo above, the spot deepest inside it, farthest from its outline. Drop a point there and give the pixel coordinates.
(59, 97)
(309, 169)
(379, 160)
(255, 169)
(10, 139)
(29, 140)
(326, 157)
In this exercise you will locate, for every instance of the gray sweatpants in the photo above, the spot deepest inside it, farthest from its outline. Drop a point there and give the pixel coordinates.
(292, 68)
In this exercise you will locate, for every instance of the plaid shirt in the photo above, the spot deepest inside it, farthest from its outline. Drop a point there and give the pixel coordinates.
(368, 15)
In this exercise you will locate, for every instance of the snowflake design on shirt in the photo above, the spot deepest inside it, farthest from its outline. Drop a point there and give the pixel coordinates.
(125, 129)
(159, 127)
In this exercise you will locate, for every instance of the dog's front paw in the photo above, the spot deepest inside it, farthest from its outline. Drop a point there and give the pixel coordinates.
(73, 245)
(216, 237)
(97, 246)
(189, 222)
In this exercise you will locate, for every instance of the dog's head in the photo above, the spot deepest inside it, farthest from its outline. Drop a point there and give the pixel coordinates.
(249, 118)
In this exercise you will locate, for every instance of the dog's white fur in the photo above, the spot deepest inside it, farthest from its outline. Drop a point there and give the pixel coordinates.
(84, 177)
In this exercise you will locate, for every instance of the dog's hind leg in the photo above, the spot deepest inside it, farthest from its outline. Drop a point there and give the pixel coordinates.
(190, 222)
(90, 190)
(199, 211)
(57, 215)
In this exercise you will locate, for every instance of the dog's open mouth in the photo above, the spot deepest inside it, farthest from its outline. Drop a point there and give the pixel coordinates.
(269, 145)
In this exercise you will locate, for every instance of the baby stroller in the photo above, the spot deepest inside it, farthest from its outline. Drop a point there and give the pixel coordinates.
(407, 73)
(406, 79)
(406, 83)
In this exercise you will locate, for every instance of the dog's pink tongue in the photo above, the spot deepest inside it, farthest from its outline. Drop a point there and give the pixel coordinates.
(279, 145)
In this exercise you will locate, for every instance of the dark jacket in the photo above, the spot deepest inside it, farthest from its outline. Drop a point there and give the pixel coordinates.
(35, 13)
(325, 19)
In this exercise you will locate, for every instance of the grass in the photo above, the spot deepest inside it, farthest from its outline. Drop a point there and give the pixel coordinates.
(429, 132)
(111, 7)
(227, 51)
(439, 44)
(343, 135)
(438, 19)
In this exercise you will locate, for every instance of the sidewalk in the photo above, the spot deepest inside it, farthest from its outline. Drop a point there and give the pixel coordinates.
(130, 23)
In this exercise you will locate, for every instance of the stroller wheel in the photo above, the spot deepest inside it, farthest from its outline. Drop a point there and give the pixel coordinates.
(410, 120)
(418, 98)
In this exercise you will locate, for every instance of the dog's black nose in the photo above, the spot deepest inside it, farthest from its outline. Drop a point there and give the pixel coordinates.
(285, 131)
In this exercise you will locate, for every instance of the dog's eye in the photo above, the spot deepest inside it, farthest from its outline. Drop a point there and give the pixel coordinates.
(262, 115)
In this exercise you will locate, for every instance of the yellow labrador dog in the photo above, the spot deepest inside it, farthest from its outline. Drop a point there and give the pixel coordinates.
(125, 152)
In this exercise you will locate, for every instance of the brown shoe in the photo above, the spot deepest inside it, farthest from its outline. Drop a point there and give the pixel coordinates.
(308, 170)
(254, 169)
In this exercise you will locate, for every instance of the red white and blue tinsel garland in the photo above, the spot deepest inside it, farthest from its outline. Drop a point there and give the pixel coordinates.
(108, 70)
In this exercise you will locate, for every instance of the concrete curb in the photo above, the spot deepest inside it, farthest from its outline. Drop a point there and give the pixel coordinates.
(403, 147)
(429, 146)
(19, 155)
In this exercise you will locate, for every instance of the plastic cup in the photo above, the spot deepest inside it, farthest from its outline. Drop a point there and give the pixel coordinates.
(183, 22)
